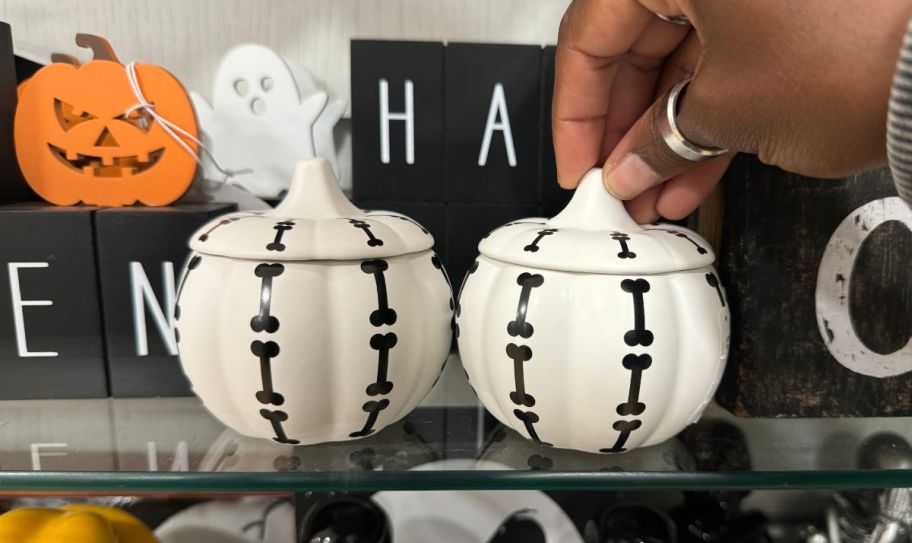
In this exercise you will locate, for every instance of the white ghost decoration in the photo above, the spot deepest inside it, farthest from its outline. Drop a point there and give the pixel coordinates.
(265, 115)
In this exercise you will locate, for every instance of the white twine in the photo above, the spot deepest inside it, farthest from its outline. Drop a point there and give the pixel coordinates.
(177, 133)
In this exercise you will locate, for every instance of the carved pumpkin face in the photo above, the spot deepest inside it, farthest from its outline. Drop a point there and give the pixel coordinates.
(76, 144)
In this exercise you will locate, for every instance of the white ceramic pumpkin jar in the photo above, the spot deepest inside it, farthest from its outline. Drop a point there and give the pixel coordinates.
(591, 332)
(314, 321)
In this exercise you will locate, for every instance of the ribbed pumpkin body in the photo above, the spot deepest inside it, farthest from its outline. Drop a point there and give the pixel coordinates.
(313, 351)
(594, 362)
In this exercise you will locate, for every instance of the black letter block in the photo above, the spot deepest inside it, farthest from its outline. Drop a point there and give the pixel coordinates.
(397, 121)
(50, 322)
(818, 283)
(552, 197)
(13, 186)
(141, 252)
(467, 224)
(492, 110)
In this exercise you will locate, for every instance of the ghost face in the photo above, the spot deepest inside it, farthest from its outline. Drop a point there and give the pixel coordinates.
(254, 81)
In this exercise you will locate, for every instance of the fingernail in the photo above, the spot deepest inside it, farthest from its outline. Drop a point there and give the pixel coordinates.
(629, 176)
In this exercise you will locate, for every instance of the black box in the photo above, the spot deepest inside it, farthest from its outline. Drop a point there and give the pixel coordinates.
(141, 251)
(50, 320)
(405, 168)
(485, 161)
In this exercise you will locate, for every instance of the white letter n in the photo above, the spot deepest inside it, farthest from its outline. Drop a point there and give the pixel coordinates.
(142, 293)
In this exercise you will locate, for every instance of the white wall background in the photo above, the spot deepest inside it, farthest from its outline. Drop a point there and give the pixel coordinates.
(188, 37)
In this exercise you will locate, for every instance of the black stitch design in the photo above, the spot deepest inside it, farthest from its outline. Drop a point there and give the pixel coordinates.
(373, 409)
(511, 224)
(280, 228)
(382, 343)
(625, 427)
(714, 283)
(529, 419)
(383, 314)
(402, 217)
(371, 240)
(264, 322)
(192, 264)
(533, 247)
(639, 335)
(676, 233)
(266, 351)
(622, 239)
(277, 418)
(519, 326)
(520, 354)
(537, 462)
(637, 364)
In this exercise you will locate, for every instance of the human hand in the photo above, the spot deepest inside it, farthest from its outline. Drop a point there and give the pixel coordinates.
(803, 85)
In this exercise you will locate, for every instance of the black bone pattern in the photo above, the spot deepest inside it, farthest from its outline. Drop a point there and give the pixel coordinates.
(382, 343)
(520, 354)
(714, 283)
(622, 239)
(511, 224)
(529, 419)
(680, 234)
(639, 335)
(372, 241)
(534, 247)
(266, 351)
(204, 237)
(280, 228)
(458, 311)
(192, 264)
(625, 427)
(373, 409)
(277, 417)
(263, 321)
(401, 217)
(519, 326)
(384, 314)
(637, 364)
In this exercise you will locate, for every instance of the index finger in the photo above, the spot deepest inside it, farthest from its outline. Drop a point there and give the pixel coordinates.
(594, 36)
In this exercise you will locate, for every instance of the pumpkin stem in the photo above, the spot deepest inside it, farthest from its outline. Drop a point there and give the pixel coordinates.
(64, 58)
(100, 47)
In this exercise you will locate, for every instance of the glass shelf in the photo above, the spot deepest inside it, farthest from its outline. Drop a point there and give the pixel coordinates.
(166, 445)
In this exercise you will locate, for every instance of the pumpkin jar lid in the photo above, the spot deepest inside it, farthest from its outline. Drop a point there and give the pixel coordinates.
(315, 221)
(594, 234)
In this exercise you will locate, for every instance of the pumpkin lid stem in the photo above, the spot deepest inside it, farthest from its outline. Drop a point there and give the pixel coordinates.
(63, 58)
(592, 207)
(101, 48)
(314, 194)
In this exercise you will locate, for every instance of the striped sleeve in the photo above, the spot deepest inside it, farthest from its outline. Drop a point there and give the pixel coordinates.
(899, 121)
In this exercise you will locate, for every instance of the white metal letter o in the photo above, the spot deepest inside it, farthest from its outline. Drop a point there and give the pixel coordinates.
(834, 275)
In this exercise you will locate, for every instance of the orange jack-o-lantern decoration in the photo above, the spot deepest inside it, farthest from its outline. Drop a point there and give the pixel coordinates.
(82, 136)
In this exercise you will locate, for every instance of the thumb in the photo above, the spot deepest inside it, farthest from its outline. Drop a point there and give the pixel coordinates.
(644, 159)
